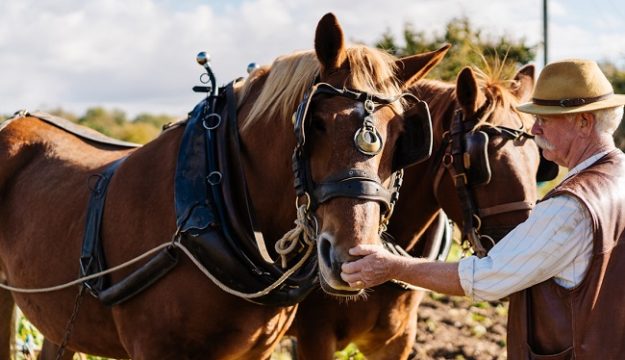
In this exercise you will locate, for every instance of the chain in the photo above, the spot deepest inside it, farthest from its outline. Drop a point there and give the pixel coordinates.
(386, 218)
(70, 324)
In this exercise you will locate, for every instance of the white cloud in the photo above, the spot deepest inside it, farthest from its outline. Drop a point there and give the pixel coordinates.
(139, 55)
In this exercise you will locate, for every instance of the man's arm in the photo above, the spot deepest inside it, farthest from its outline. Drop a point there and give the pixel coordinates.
(378, 266)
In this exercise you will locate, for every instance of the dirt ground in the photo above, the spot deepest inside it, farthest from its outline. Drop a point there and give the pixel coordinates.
(454, 328)
(449, 328)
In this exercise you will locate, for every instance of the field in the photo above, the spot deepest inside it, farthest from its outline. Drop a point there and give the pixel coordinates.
(454, 328)
(449, 328)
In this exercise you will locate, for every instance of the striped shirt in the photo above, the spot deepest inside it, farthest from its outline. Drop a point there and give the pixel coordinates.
(554, 242)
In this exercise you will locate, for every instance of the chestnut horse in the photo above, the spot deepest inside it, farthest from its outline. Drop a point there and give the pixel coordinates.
(44, 194)
(383, 325)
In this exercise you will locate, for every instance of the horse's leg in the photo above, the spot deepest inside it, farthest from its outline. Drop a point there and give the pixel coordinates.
(6, 324)
(50, 349)
(315, 327)
(316, 343)
(185, 316)
(401, 344)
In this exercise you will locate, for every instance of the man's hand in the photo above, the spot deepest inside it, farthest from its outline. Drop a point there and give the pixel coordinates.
(379, 266)
(376, 267)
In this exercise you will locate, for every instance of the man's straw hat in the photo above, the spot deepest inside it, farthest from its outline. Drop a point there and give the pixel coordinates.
(571, 86)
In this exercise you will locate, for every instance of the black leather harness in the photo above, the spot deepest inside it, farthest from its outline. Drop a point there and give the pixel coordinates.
(214, 210)
(213, 216)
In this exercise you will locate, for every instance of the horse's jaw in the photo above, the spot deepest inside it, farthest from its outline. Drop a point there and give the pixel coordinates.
(341, 290)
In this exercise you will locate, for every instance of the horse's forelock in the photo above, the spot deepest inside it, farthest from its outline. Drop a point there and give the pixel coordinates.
(290, 76)
(373, 71)
(496, 82)
(502, 103)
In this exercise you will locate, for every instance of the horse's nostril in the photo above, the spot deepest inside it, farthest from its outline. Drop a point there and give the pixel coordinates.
(325, 249)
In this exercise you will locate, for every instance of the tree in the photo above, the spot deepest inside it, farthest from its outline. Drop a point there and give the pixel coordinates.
(617, 78)
(105, 121)
(469, 47)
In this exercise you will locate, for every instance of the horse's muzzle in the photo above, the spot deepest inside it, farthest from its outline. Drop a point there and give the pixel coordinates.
(330, 268)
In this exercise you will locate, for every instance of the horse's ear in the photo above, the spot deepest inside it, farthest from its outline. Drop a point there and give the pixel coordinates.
(329, 44)
(415, 67)
(467, 91)
(524, 83)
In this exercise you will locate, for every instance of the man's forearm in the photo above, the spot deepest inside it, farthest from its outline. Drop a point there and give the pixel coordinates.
(437, 276)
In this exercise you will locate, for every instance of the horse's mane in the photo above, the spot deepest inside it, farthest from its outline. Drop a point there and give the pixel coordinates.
(499, 89)
(290, 76)
(496, 87)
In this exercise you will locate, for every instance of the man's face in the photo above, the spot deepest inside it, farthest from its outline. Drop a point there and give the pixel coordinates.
(556, 135)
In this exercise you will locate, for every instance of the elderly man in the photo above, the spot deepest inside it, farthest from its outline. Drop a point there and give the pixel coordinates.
(563, 266)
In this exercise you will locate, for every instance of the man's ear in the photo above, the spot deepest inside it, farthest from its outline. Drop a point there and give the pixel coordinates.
(587, 123)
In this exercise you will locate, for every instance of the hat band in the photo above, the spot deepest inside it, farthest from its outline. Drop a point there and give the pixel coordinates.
(571, 102)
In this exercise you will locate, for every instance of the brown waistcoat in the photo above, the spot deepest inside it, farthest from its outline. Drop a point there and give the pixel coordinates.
(548, 321)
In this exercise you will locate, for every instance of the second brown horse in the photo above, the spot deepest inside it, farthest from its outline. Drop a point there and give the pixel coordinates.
(383, 325)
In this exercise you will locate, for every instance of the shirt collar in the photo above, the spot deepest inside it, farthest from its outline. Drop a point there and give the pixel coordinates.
(586, 163)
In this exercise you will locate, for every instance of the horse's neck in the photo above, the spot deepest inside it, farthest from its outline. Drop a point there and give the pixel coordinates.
(267, 147)
(416, 206)
(417, 195)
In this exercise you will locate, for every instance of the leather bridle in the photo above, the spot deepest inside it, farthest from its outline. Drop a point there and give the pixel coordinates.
(456, 155)
(351, 183)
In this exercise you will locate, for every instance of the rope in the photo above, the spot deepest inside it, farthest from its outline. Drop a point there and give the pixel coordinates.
(302, 227)
(240, 294)
(84, 278)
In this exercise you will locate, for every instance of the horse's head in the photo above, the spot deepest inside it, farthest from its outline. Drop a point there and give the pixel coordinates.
(349, 129)
(355, 126)
(488, 172)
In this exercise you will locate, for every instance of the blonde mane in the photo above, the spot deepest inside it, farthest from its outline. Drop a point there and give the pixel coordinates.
(290, 76)
(496, 79)
(497, 84)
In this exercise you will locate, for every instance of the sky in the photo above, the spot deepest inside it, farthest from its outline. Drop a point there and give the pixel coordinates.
(139, 55)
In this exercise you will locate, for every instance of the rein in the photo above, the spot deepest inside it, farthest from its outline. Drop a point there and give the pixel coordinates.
(457, 155)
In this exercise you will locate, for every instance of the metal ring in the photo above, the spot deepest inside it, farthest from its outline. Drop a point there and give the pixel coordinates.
(448, 159)
(369, 106)
(211, 127)
(214, 178)
(94, 181)
(479, 222)
(487, 237)
(308, 201)
(204, 78)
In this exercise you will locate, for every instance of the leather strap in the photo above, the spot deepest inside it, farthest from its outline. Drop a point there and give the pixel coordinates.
(504, 208)
(572, 101)
(354, 183)
(92, 259)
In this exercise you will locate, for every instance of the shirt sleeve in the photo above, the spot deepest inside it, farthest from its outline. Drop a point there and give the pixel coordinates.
(553, 238)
